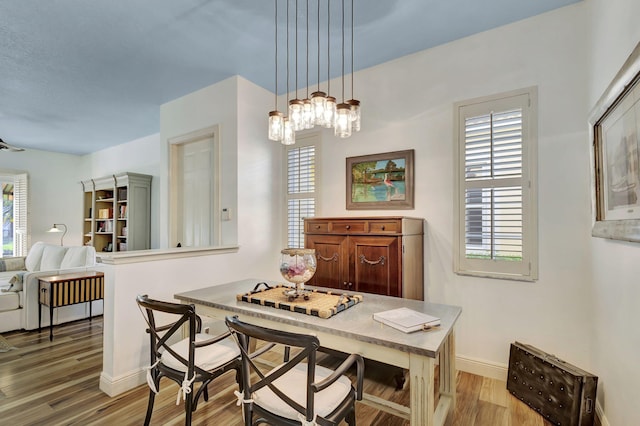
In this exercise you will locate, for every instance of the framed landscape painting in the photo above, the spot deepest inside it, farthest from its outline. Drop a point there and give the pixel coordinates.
(380, 181)
(615, 134)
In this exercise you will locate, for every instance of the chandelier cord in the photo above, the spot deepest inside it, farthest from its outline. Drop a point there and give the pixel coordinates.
(352, 49)
(328, 47)
(318, 45)
(276, 61)
(287, 48)
(342, 51)
(307, 49)
(296, 49)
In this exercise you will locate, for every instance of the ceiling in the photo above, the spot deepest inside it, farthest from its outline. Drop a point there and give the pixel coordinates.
(79, 76)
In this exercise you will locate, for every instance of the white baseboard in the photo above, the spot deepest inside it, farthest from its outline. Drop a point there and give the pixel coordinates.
(483, 368)
(499, 372)
(114, 387)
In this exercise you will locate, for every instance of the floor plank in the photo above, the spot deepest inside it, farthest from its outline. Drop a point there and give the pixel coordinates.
(56, 383)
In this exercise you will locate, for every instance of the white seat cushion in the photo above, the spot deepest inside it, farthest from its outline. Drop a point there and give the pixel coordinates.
(9, 301)
(207, 357)
(293, 384)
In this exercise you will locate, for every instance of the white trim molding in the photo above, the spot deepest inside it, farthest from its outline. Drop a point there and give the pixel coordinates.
(115, 386)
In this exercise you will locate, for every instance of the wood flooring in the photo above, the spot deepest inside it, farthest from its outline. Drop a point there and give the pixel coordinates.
(56, 383)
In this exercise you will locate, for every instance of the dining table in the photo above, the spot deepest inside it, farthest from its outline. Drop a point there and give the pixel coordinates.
(354, 330)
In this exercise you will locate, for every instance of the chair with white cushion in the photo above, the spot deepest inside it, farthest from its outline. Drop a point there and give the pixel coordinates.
(199, 358)
(296, 392)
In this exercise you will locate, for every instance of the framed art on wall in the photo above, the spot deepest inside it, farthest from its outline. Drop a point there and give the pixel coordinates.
(380, 181)
(614, 126)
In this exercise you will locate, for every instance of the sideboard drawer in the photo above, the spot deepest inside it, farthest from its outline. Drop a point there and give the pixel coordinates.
(385, 226)
(348, 227)
(316, 226)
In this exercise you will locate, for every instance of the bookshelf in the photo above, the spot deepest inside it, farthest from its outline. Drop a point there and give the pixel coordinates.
(117, 212)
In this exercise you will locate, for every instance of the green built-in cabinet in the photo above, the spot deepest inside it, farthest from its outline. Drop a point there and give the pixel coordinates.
(117, 212)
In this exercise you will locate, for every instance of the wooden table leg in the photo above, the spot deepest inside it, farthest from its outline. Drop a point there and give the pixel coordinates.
(421, 384)
(448, 369)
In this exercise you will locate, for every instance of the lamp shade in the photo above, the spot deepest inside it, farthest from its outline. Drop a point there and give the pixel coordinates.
(57, 228)
(355, 114)
(343, 121)
(288, 135)
(276, 127)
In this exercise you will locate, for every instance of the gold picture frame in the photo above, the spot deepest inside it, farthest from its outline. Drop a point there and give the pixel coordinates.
(614, 130)
(380, 181)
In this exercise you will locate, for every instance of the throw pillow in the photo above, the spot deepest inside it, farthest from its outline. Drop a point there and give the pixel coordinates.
(52, 258)
(11, 264)
(16, 283)
(32, 262)
(75, 257)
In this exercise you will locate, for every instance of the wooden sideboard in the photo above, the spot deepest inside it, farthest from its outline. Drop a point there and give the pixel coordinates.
(381, 255)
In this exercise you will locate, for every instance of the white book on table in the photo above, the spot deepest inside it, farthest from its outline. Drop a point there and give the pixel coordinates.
(407, 320)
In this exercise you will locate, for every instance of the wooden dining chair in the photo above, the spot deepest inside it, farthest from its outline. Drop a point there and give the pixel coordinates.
(197, 358)
(296, 392)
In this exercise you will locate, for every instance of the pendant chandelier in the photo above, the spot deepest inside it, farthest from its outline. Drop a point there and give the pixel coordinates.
(319, 109)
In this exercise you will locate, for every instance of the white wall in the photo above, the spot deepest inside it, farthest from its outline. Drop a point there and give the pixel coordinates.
(238, 108)
(142, 155)
(616, 264)
(408, 104)
(55, 192)
(212, 105)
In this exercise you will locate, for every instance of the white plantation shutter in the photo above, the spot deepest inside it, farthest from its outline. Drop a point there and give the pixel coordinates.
(301, 188)
(495, 169)
(20, 211)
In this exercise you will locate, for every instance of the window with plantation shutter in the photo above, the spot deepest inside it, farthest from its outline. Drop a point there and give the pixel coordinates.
(496, 209)
(15, 232)
(301, 187)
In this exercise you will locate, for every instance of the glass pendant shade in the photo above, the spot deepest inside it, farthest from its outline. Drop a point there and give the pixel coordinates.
(343, 121)
(276, 128)
(329, 111)
(295, 114)
(318, 101)
(288, 134)
(355, 114)
(308, 117)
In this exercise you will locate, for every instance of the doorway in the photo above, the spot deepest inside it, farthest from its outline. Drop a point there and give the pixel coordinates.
(194, 189)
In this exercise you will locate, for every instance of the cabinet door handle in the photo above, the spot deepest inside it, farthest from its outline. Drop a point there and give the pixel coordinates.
(328, 259)
(383, 227)
(317, 226)
(348, 226)
(372, 262)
